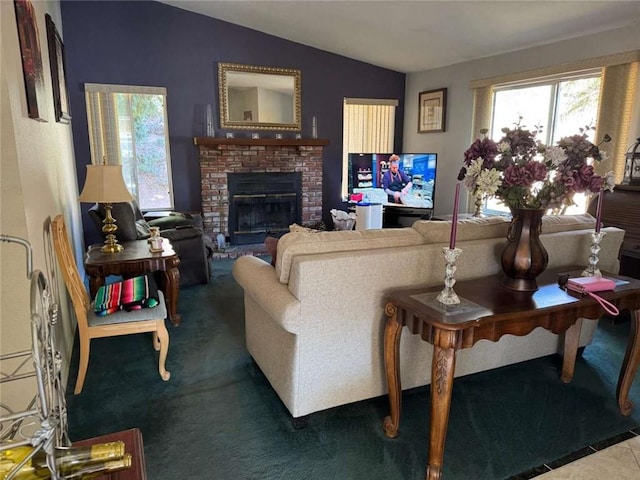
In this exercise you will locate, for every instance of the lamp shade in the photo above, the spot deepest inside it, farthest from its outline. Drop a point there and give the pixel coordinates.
(104, 184)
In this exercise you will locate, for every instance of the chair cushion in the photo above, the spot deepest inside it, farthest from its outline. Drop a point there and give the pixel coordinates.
(156, 313)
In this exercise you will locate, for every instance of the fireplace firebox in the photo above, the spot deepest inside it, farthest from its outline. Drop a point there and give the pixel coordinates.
(262, 204)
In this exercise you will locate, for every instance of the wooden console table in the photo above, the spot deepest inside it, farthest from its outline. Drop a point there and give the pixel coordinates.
(490, 311)
(136, 259)
(133, 445)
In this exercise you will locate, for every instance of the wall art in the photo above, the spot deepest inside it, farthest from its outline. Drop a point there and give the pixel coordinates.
(58, 72)
(432, 111)
(31, 58)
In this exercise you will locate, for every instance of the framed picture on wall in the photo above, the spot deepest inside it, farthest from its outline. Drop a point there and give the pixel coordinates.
(31, 58)
(432, 110)
(58, 73)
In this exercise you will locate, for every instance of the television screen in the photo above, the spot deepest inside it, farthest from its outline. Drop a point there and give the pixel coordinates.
(367, 169)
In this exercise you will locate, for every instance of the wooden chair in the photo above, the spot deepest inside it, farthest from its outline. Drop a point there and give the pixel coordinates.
(120, 323)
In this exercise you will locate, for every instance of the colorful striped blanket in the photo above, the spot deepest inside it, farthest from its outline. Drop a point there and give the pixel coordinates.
(131, 294)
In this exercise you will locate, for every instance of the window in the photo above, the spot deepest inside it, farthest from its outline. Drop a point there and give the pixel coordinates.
(369, 127)
(561, 106)
(128, 126)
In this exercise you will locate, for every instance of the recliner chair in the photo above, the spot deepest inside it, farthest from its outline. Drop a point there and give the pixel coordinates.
(184, 231)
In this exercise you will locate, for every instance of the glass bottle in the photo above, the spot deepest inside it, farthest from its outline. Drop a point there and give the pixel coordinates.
(80, 471)
(97, 469)
(66, 458)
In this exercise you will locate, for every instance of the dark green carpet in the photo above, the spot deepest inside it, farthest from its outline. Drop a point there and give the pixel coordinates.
(218, 418)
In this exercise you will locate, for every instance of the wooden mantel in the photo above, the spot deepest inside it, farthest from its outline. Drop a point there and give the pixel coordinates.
(283, 142)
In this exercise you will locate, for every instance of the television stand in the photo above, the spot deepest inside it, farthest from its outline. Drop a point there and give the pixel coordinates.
(398, 216)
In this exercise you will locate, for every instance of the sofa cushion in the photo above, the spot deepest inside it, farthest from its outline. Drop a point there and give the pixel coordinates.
(435, 231)
(271, 243)
(493, 227)
(303, 243)
(294, 227)
(565, 223)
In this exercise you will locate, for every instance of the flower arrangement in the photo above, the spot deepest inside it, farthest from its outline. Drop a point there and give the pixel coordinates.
(524, 173)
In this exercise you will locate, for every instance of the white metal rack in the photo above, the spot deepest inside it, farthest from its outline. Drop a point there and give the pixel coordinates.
(43, 424)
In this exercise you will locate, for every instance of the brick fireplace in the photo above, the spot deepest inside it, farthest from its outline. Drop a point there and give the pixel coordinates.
(220, 156)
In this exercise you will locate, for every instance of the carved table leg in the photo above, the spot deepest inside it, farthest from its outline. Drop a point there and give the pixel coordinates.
(442, 369)
(171, 284)
(95, 282)
(629, 366)
(392, 333)
(571, 342)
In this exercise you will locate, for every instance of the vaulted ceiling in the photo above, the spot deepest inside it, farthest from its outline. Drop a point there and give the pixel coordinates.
(411, 36)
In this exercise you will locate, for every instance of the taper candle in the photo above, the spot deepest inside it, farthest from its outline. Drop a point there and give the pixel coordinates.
(454, 220)
(209, 130)
(599, 210)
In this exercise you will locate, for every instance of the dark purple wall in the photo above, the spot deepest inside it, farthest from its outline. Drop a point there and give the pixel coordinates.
(150, 43)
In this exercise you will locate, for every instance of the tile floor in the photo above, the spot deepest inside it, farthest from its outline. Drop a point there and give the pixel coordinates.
(617, 458)
(619, 462)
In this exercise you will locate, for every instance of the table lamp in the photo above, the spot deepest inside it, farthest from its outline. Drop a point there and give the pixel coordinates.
(104, 184)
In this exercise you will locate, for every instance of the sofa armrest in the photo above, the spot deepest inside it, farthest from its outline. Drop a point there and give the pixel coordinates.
(175, 220)
(181, 233)
(258, 279)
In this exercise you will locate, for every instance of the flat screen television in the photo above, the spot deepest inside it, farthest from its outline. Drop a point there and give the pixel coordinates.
(366, 170)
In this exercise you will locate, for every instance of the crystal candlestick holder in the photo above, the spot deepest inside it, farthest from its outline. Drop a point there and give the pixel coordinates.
(447, 296)
(592, 270)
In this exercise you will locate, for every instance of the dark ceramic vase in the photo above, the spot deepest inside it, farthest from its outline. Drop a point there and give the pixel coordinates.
(524, 256)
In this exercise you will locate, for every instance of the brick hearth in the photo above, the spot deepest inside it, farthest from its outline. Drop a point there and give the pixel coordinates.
(219, 156)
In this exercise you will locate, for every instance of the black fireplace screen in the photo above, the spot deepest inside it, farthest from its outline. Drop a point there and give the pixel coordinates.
(262, 204)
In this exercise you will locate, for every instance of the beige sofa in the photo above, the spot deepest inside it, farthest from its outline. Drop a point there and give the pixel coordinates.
(314, 323)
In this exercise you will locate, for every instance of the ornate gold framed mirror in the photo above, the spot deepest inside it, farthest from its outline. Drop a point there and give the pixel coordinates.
(259, 98)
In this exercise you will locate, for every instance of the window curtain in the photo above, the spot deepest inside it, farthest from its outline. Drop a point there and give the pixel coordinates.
(482, 108)
(617, 97)
(369, 127)
(620, 76)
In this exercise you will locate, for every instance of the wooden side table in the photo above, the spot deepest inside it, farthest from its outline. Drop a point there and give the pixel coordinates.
(136, 259)
(487, 312)
(133, 445)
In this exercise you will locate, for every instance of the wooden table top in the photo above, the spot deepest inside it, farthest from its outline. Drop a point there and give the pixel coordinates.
(491, 310)
(133, 251)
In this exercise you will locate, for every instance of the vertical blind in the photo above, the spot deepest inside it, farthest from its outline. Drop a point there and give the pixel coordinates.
(369, 127)
(109, 123)
(103, 118)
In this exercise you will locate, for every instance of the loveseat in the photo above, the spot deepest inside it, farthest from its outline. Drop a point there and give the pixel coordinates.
(314, 322)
